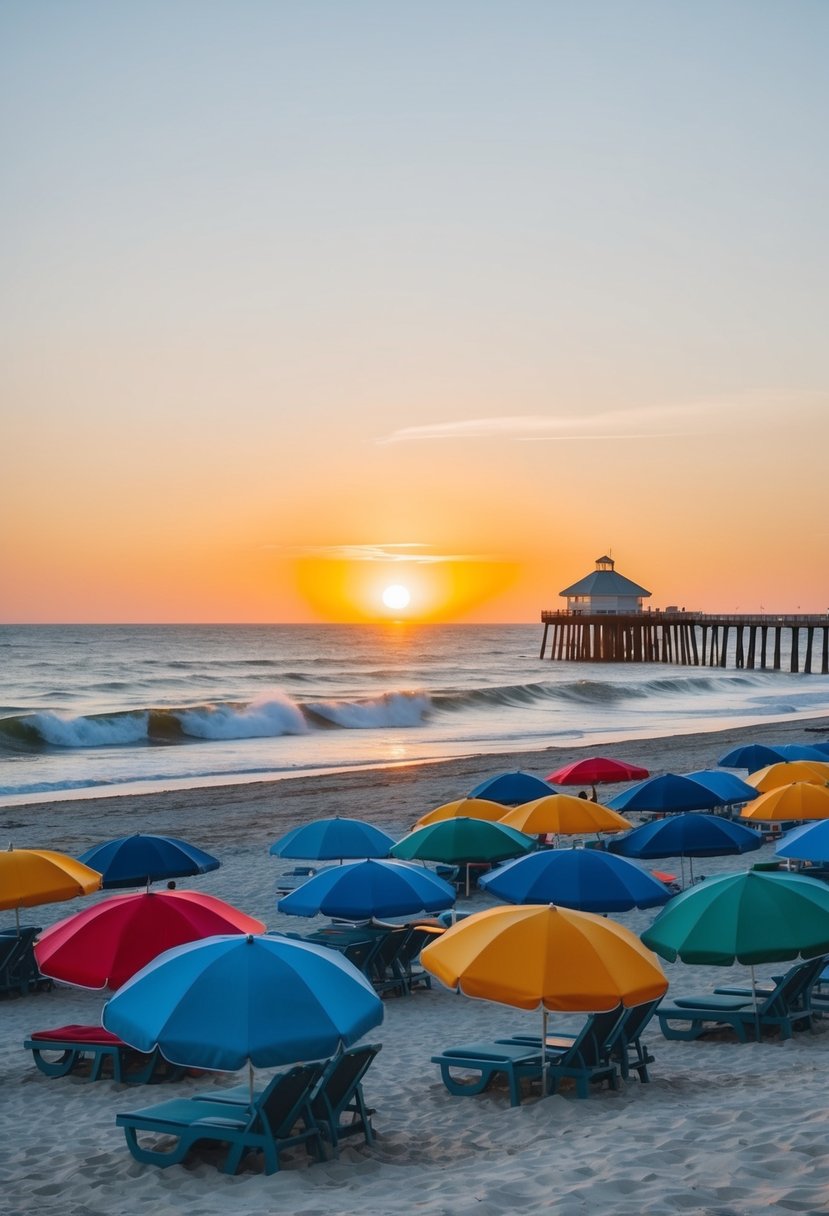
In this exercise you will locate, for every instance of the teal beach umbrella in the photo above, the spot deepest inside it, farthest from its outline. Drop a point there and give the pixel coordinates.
(462, 841)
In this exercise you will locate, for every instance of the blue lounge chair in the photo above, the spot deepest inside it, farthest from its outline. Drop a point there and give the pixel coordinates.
(581, 1057)
(91, 1052)
(338, 1094)
(19, 972)
(786, 1006)
(280, 1118)
(617, 1038)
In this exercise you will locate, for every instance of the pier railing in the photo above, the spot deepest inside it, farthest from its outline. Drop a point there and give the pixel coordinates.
(689, 638)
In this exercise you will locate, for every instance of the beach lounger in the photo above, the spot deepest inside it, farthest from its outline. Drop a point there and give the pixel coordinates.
(616, 1038)
(278, 1119)
(486, 1061)
(338, 1104)
(785, 1007)
(90, 1051)
(19, 972)
(337, 1095)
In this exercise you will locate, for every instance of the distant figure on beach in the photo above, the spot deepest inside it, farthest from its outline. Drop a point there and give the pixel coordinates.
(171, 885)
(583, 794)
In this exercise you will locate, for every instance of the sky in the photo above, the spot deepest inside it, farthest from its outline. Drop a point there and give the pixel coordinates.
(304, 299)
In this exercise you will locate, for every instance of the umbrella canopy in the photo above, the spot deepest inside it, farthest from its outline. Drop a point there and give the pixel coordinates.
(457, 841)
(801, 800)
(132, 861)
(333, 839)
(586, 879)
(726, 785)
(688, 835)
(103, 946)
(564, 815)
(773, 776)
(30, 877)
(754, 917)
(800, 751)
(231, 1001)
(751, 756)
(593, 770)
(464, 808)
(539, 956)
(512, 788)
(668, 794)
(807, 843)
(361, 890)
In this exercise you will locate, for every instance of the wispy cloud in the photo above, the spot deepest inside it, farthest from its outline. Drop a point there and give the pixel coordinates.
(648, 422)
(411, 552)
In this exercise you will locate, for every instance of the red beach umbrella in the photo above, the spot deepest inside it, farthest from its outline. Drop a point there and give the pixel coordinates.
(103, 946)
(593, 770)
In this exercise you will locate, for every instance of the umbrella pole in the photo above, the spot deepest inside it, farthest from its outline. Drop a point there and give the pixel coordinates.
(756, 1008)
(250, 1080)
(467, 880)
(691, 870)
(17, 920)
(543, 1051)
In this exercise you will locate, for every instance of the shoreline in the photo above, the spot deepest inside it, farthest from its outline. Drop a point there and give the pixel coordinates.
(415, 787)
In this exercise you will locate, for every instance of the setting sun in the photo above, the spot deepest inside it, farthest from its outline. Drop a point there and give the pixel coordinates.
(396, 596)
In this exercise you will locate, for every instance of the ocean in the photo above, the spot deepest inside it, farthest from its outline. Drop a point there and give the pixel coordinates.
(120, 709)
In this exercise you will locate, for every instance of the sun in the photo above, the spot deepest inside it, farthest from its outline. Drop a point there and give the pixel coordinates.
(396, 596)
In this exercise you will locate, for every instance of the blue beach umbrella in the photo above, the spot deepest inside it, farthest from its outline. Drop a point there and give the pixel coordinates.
(511, 789)
(807, 843)
(585, 879)
(361, 890)
(225, 1002)
(687, 835)
(668, 794)
(800, 751)
(751, 756)
(727, 785)
(131, 861)
(333, 839)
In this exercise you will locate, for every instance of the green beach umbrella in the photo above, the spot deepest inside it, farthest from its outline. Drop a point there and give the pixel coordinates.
(753, 917)
(462, 841)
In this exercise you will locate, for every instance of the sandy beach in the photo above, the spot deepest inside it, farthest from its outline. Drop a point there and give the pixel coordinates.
(722, 1128)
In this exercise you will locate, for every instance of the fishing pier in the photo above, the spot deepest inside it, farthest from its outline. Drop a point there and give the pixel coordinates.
(692, 639)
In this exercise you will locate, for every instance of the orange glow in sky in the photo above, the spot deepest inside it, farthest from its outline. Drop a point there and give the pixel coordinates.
(354, 319)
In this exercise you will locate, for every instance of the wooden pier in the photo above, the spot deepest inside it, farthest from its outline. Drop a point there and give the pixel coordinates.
(688, 638)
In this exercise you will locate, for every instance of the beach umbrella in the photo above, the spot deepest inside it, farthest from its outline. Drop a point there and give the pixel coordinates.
(822, 747)
(810, 842)
(511, 788)
(538, 956)
(106, 944)
(462, 842)
(586, 879)
(751, 756)
(726, 785)
(669, 793)
(464, 808)
(132, 861)
(361, 890)
(564, 815)
(31, 877)
(231, 1001)
(800, 751)
(333, 839)
(690, 834)
(595, 770)
(787, 772)
(753, 917)
(800, 800)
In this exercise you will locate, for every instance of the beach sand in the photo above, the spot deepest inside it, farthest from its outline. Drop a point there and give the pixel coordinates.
(722, 1128)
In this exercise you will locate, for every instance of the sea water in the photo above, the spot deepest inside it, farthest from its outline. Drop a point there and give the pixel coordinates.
(117, 709)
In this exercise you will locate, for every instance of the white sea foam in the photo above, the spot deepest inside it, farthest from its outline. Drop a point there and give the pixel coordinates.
(90, 732)
(391, 709)
(266, 717)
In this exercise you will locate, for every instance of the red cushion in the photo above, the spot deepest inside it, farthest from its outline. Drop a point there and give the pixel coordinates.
(79, 1034)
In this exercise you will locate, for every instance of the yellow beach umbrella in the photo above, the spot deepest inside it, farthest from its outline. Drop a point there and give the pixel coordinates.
(540, 956)
(774, 775)
(800, 800)
(463, 808)
(564, 815)
(30, 877)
